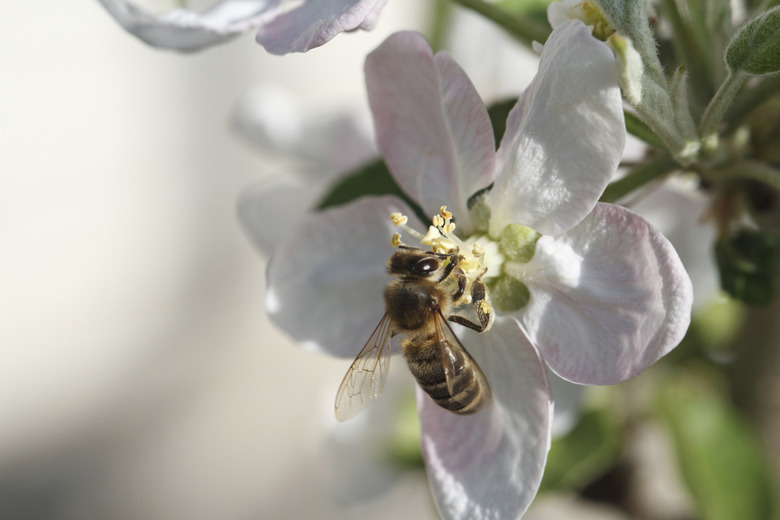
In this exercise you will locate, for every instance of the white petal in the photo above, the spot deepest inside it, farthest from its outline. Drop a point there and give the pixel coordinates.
(315, 23)
(677, 212)
(269, 214)
(187, 30)
(271, 118)
(608, 298)
(489, 465)
(431, 125)
(325, 282)
(564, 138)
(373, 17)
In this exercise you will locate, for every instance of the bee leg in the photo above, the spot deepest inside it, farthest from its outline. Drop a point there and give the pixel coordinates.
(463, 282)
(481, 306)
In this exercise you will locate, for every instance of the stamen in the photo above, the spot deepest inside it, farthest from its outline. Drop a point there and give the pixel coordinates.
(395, 241)
(477, 250)
(444, 213)
(399, 219)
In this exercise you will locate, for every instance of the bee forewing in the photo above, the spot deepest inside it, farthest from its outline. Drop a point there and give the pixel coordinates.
(366, 378)
(450, 346)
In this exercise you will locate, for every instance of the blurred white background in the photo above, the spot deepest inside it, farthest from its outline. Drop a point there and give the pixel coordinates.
(139, 376)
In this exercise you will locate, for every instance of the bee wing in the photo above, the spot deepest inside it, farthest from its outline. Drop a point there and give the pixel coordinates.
(454, 355)
(366, 378)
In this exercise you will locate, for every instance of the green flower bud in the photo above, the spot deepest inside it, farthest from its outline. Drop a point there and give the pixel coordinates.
(508, 294)
(518, 242)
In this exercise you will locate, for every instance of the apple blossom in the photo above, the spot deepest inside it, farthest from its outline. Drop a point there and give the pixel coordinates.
(283, 25)
(589, 289)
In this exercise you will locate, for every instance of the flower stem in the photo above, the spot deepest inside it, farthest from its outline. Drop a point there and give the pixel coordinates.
(719, 104)
(655, 168)
(754, 170)
(657, 111)
(750, 99)
(522, 28)
(441, 21)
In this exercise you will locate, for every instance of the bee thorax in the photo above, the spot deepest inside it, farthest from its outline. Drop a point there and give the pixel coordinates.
(409, 305)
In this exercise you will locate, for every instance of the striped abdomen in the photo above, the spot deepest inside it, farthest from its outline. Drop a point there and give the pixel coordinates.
(470, 390)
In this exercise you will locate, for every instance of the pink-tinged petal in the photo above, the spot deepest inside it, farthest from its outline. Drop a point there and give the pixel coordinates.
(186, 30)
(325, 282)
(677, 213)
(314, 23)
(432, 127)
(373, 17)
(564, 138)
(608, 298)
(489, 465)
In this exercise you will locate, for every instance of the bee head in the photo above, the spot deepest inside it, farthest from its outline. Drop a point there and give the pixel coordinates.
(418, 263)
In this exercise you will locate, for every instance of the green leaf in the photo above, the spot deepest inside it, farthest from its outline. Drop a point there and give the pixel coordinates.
(755, 49)
(372, 179)
(720, 456)
(651, 170)
(587, 452)
(536, 9)
(639, 128)
(749, 263)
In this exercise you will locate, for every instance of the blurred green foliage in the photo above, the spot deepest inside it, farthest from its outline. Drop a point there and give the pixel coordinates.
(719, 453)
(749, 264)
(592, 448)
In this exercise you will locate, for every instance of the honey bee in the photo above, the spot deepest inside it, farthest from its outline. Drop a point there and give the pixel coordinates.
(418, 304)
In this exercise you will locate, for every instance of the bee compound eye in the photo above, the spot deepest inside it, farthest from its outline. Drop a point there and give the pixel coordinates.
(426, 266)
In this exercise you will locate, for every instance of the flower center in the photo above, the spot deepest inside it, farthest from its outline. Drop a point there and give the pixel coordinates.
(479, 254)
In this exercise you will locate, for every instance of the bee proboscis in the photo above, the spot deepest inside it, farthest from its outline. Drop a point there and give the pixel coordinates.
(418, 305)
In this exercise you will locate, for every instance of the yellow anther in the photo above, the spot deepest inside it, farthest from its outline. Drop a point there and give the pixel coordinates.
(444, 213)
(468, 264)
(395, 241)
(477, 250)
(432, 235)
(438, 221)
(399, 219)
(450, 227)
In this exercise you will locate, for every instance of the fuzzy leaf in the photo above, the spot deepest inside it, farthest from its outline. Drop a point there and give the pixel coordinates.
(756, 47)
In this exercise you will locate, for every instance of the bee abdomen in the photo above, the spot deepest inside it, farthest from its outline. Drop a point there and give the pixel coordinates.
(427, 368)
